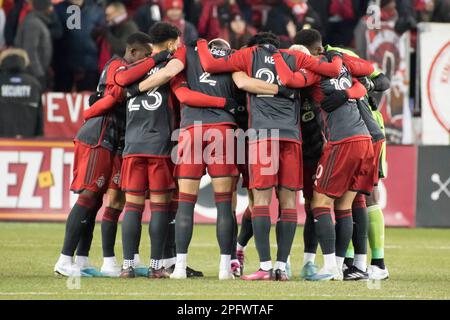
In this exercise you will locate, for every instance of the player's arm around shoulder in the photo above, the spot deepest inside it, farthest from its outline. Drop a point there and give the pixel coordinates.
(162, 76)
(252, 85)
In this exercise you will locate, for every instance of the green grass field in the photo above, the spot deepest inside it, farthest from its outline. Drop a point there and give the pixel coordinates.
(418, 261)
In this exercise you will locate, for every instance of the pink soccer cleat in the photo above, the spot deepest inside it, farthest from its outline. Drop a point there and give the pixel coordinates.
(259, 275)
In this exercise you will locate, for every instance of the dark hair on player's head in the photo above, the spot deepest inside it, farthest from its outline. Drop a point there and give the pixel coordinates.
(307, 37)
(139, 38)
(163, 31)
(264, 38)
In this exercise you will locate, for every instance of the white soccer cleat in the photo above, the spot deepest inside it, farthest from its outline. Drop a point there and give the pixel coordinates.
(226, 275)
(110, 270)
(67, 269)
(376, 273)
(326, 274)
(178, 274)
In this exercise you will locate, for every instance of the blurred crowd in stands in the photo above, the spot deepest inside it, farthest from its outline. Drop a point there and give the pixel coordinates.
(68, 42)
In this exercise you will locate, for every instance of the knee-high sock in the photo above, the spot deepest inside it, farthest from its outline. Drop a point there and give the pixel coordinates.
(376, 231)
(323, 226)
(360, 224)
(344, 231)
(76, 223)
(138, 237)
(169, 243)
(246, 232)
(286, 227)
(184, 222)
(235, 234)
(261, 231)
(109, 230)
(158, 226)
(131, 225)
(309, 235)
(225, 223)
(84, 246)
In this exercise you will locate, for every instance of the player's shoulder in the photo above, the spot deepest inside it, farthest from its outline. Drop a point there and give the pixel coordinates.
(116, 63)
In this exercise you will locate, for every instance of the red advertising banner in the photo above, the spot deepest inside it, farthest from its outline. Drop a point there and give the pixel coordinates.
(36, 175)
(63, 113)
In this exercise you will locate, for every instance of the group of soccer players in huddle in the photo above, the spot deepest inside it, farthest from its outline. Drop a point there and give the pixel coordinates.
(284, 120)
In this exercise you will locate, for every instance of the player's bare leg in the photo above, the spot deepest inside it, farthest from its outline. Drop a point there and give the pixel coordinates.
(159, 224)
(377, 269)
(344, 225)
(111, 214)
(285, 229)
(75, 226)
(188, 190)
(223, 187)
(261, 230)
(134, 207)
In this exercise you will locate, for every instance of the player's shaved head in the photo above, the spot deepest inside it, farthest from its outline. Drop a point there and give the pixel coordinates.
(219, 43)
(264, 38)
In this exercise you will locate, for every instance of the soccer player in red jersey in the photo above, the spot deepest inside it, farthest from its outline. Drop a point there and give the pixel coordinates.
(223, 172)
(97, 169)
(345, 166)
(267, 115)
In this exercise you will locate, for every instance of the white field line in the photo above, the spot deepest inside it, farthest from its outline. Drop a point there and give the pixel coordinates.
(236, 294)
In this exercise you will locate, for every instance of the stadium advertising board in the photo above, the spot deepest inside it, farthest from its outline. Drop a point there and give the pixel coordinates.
(36, 176)
(63, 113)
(433, 189)
(434, 50)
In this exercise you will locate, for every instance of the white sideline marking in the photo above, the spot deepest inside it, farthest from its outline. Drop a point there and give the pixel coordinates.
(186, 294)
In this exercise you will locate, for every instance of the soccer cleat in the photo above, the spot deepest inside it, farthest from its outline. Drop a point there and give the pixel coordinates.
(127, 273)
(288, 268)
(191, 273)
(308, 270)
(327, 275)
(259, 275)
(236, 269)
(281, 275)
(67, 269)
(353, 273)
(112, 271)
(226, 275)
(141, 271)
(178, 274)
(158, 274)
(240, 256)
(90, 272)
(376, 273)
(110, 268)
